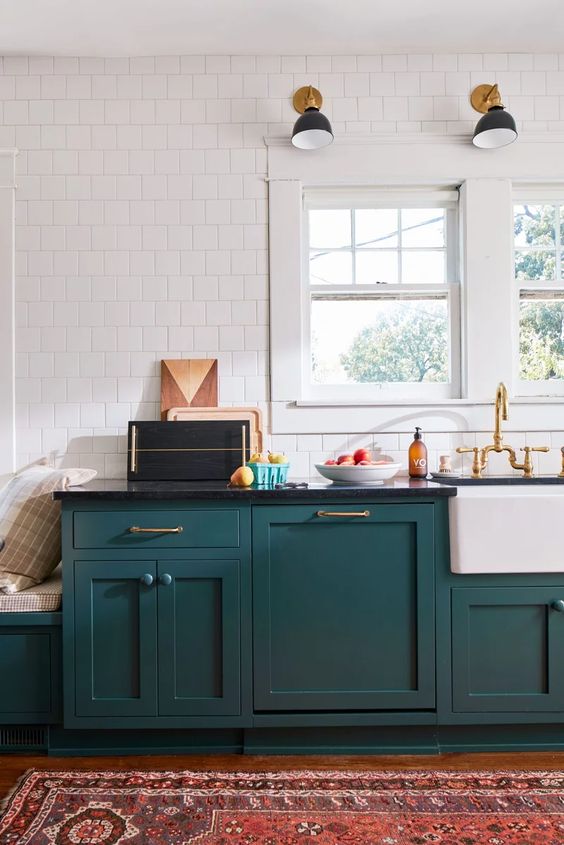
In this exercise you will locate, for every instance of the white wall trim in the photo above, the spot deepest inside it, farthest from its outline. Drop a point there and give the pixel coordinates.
(7, 312)
(416, 138)
(445, 161)
(449, 416)
(487, 270)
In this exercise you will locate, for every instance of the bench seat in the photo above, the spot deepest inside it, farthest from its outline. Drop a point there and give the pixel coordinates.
(45, 597)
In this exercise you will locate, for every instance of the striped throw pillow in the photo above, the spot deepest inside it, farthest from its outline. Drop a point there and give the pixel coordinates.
(30, 524)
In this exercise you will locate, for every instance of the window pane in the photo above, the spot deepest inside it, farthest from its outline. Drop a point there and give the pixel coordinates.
(541, 339)
(379, 340)
(376, 227)
(534, 225)
(331, 268)
(423, 267)
(331, 228)
(373, 268)
(422, 227)
(534, 264)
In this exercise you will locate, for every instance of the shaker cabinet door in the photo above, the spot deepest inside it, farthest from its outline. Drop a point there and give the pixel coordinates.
(343, 599)
(115, 638)
(508, 649)
(199, 638)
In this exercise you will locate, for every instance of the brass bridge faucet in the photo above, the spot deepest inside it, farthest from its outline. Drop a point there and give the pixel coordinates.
(480, 460)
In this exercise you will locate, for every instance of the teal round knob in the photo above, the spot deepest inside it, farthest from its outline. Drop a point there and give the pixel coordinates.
(166, 580)
(558, 606)
(147, 579)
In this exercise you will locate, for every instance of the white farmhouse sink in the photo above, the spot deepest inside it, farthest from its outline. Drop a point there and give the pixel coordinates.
(500, 529)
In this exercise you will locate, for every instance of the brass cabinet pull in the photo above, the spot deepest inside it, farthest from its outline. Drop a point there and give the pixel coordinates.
(343, 513)
(135, 529)
(133, 458)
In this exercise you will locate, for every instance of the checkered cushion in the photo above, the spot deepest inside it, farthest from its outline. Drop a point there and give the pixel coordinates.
(30, 525)
(44, 597)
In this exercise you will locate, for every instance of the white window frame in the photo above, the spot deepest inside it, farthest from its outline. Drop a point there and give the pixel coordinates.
(536, 195)
(488, 302)
(416, 197)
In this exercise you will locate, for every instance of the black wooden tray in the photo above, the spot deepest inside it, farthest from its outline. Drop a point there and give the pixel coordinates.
(198, 450)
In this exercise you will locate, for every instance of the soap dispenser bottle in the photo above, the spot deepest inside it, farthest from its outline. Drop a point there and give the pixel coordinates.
(417, 457)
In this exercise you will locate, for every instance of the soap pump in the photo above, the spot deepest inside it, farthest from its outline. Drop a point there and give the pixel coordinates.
(417, 457)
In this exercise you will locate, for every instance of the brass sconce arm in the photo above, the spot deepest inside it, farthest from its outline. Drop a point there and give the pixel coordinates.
(485, 97)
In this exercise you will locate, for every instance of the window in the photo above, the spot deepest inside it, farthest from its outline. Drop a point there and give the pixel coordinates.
(380, 295)
(539, 277)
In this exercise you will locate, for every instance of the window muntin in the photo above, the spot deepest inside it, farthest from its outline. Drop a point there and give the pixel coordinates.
(381, 302)
(538, 247)
(377, 246)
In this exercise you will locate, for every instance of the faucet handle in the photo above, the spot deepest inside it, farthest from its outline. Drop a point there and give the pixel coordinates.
(476, 462)
(528, 464)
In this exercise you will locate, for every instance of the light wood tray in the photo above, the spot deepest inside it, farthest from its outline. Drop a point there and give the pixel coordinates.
(253, 415)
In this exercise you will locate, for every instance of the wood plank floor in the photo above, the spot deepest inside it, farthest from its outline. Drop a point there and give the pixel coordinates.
(13, 766)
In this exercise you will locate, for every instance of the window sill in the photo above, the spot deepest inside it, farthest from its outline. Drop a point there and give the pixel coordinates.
(426, 403)
(540, 414)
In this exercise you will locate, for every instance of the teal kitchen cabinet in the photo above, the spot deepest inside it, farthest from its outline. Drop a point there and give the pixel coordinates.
(156, 627)
(507, 649)
(156, 639)
(30, 668)
(115, 605)
(343, 607)
(199, 638)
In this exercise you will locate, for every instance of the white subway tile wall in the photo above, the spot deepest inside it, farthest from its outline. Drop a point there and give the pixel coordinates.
(141, 223)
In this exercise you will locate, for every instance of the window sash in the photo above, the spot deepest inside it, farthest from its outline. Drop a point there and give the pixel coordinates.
(321, 199)
(385, 390)
(556, 249)
(538, 289)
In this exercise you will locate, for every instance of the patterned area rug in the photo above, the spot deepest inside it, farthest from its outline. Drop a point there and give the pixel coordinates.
(285, 808)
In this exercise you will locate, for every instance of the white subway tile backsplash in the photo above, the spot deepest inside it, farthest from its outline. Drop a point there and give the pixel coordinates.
(67, 415)
(142, 221)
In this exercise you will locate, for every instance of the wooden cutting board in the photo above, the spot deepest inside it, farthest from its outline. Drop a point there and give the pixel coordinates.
(252, 415)
(188, 382)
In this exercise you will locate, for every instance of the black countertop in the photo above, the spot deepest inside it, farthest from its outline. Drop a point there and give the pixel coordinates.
(146, 490)
(502, 480)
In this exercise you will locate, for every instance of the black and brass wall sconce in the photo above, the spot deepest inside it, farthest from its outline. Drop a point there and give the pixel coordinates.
(497, 127)
(312, 130)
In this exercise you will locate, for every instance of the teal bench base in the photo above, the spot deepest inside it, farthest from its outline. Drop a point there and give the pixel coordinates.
(30, 669)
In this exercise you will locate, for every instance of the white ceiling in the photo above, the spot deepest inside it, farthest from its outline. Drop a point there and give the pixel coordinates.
(311, 27)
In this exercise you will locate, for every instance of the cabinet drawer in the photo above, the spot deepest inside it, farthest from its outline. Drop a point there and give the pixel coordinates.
(156, 529)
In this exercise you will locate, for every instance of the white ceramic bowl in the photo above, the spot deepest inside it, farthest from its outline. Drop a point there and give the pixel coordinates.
(346, 474)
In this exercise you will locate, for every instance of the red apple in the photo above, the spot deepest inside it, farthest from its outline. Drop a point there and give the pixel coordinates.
(330, 463)
(342, 458)
(362, 455)
(364, 463)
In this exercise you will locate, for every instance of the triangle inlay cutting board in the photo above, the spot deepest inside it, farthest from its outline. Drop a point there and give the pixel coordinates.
(188, 382)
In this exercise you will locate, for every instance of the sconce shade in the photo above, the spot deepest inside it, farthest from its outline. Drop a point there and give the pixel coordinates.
(495, 129)
(312, 130)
